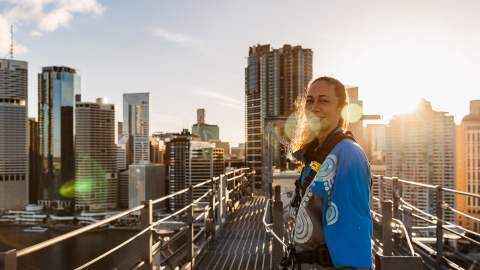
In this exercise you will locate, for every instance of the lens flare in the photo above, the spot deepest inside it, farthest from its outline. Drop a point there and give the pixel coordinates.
(352, 113)
(314, 123)
(290, 126)
(67, 190)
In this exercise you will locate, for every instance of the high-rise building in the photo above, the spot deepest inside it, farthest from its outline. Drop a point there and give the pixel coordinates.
(58, 90)
(420, 147)
(136, 126)
(14, 190)
(96, 179)
(224, 145)
(468, 166)
(146, 182)
(355, 114)
(123, 189)
(157, 150)
(34, 160)
(203, 131)
(205, 161)
(239, 151)
(177, 154)
(274, 78)
(375, 143)
(119, 131)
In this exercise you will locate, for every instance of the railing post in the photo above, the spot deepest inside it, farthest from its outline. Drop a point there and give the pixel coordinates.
(227, 196)
(8, 260)
(211, 214)
(146, 219)
(277, 218)
(387, 228)
(439, 231)
(234, 188)
(220, 192)
(380, 193)
(396, 192)
(407, 220)
(190, 230)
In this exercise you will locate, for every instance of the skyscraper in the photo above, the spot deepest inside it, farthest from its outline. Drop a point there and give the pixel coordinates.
(203, 131)
(274, 78)
(13, 134)
(205, 161)
(146, 182)
(468, 166)
(96, 179)
(355, 114)
(420, 147)
(34, 160)
(58, 90)
(177, 154)
(136, 126)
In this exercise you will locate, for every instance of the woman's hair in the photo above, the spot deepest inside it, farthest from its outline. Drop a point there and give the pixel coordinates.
(303, 134)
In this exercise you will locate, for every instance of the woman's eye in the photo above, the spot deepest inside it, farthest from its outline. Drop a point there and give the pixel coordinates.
(309, 101)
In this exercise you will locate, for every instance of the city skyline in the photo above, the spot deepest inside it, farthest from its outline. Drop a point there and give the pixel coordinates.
(401, 61)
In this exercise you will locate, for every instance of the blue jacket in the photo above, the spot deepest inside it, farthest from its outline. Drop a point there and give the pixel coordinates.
(347, 222)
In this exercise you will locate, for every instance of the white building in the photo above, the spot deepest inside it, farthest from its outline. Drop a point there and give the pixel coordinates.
(136, 126)
(13, 134)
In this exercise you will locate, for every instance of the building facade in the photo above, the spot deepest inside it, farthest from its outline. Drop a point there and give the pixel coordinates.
(96, 176)
(146, 182)
(14, 176)
(34, 160)
(205, 161)
(203, 131)
(136, 123)
(274, 79)
(420, 147)
(177, 149)
(58, 90)
(468, 167)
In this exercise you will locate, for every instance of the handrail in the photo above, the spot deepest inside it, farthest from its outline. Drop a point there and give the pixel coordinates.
(434, 221)
(74, 233)
(169, 196)
(462, 193)
(469, 194)
(58, 239)
(267, 226)
(407, 236)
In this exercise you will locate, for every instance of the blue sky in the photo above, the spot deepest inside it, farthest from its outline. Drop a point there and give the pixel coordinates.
(191, 54)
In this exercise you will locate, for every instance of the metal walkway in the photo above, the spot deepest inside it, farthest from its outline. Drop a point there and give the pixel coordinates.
(243, 242)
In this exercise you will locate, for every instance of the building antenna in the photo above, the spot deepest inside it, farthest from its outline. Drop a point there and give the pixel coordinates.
(11, 41)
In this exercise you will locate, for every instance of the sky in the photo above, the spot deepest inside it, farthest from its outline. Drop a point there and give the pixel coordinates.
(192, 54)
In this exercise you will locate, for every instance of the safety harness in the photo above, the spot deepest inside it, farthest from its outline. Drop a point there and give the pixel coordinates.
(313, 155)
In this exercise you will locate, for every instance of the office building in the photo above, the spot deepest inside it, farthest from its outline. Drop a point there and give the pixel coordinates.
(96, 179)
(274, 79)
(14, 190)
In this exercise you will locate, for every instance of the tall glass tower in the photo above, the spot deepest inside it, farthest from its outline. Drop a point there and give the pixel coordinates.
(58, 90)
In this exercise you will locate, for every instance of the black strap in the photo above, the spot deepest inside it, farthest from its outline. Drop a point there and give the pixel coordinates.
(321, 154)
(319, 256)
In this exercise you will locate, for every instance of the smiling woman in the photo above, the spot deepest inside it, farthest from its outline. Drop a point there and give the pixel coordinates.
(333, 226)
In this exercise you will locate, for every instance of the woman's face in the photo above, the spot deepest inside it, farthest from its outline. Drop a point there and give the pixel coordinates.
(323, 110)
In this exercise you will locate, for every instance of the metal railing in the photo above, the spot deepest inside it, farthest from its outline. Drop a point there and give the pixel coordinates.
(220, 199)
(441, 225)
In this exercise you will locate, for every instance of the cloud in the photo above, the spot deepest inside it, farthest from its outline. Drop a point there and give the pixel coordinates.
(221, 99)
(45, 15)
(177, 38)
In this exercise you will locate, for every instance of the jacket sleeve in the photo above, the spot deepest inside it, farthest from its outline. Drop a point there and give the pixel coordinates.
(349, 236)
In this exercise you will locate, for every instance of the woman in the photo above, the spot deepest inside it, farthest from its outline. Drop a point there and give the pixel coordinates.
(338, 195)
